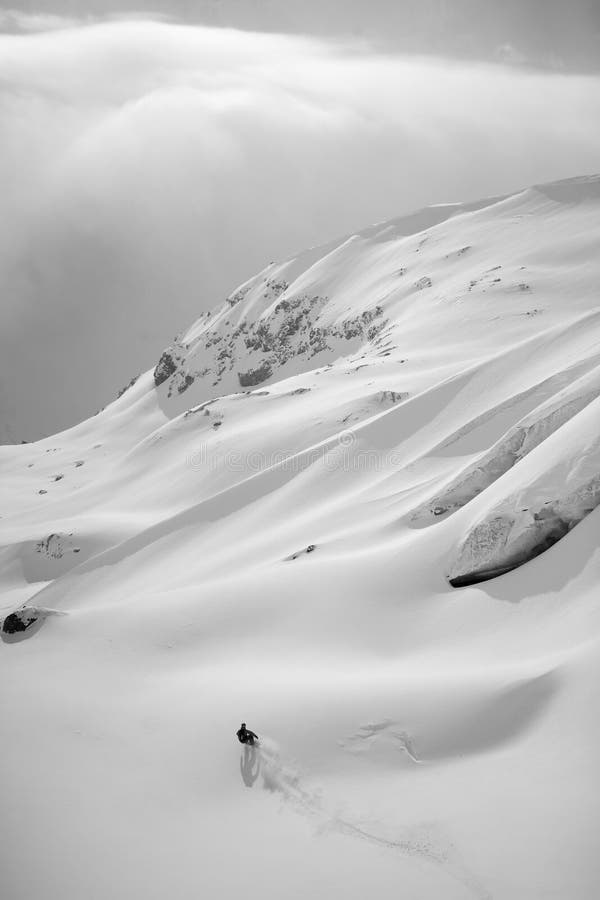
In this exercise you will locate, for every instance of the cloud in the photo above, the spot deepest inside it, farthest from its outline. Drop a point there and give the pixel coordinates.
(17, 21)
(146, 168)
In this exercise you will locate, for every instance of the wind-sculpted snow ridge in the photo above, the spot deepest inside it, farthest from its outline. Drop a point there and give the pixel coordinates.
(539, 502)
(507, 539)
(582, 189)
(520, 440)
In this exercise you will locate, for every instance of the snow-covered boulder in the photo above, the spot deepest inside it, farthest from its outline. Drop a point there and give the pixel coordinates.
(20, 620)
(24, 622)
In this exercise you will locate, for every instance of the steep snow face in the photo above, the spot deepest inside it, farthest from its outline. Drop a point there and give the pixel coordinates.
(518, 441)
(272, 526)
(540, 501)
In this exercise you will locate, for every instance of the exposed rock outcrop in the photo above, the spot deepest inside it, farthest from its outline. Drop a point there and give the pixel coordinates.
(166, 366)
(20, 620)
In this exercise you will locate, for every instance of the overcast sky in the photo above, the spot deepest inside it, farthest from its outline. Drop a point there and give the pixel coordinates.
(548, 32)
(146, 167)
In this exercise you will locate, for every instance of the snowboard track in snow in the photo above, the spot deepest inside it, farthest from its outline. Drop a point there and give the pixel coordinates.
(417, 842)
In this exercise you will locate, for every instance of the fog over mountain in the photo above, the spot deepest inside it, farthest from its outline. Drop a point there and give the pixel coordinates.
(147, 166)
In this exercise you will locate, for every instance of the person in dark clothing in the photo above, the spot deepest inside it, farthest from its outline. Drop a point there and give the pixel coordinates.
(245, 736)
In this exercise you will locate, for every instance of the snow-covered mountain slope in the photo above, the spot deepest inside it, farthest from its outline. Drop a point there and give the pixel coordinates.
(306, 517)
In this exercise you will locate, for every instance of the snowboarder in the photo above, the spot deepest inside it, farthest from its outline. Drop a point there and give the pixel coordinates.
(245, 736)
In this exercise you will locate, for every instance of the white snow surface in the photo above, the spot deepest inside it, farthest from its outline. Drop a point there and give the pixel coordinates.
(268, 536)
